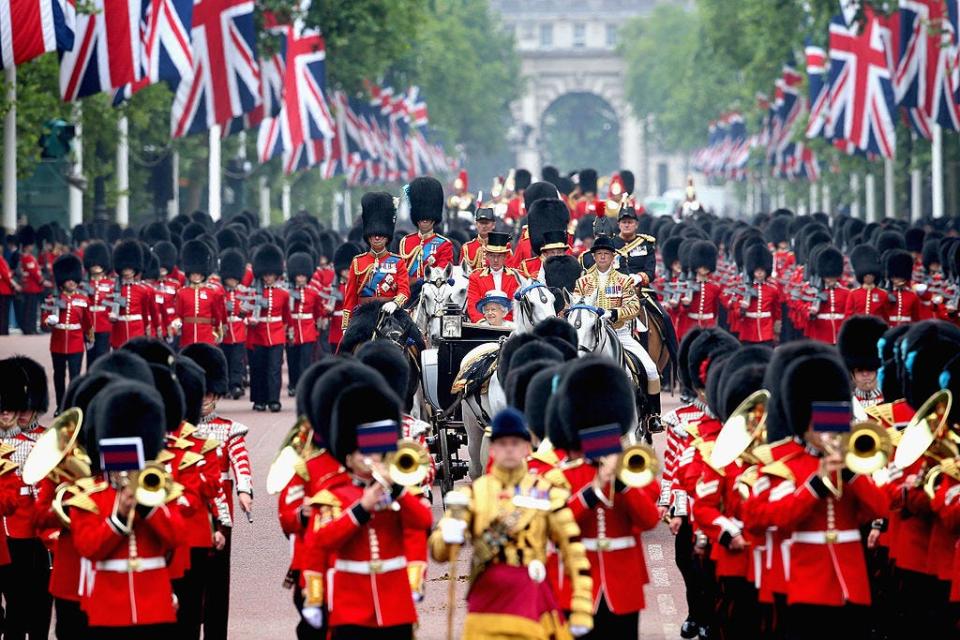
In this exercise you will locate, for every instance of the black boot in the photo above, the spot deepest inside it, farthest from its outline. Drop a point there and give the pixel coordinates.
(654, 425)
(689, 629)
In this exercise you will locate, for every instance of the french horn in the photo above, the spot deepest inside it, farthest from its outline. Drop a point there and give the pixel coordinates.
(57, 452)
(741, 430)
(927, 432)
(291, 454)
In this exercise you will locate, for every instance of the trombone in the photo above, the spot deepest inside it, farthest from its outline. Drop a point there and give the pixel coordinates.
(290, 459)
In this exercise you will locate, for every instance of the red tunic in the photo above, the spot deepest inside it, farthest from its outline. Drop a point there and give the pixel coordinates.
(68, 318)
(135, 313)
(482, 281)
(19, 522)
(420, 252)
(267, 326)
(370, 277)
(716, 508)
(828, 315)
(306, 308)
(869, 301)
(702, 310)
(202, 311)
(530, 268)
(474, 253)
(523, 251)
(757, 320)
(904, 308)
(31, 279)
(101, 290)
(6, 278)
(235, 327)
(515, 209)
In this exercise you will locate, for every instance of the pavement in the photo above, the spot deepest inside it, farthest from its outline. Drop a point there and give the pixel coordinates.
(260, 609)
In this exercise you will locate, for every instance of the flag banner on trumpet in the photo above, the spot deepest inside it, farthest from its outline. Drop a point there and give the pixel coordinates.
(831, 417)
(597, 442)
(377, 437)
(121, 454)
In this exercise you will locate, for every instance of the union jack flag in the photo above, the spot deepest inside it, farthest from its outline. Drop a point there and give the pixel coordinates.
(819, 92)
(272, 71)
(861, 100)
(30, 28)
(106, 54)
(305, 114)
(226, 74)
(417, 107)
(787, 107)
(926, 77)
(165, 40)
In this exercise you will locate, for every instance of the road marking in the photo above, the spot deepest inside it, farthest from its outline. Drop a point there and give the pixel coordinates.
(665, 605)
(660, 577)
(655, 552)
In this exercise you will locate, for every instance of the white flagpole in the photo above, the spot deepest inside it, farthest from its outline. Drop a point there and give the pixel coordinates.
(76, 195)
(264, 202)
(214, 173)
(889, 189)
(814, 199)
(123, 171)
(916, 194)
(855, 195)
(870, 186)
(285, 200)
(827, 204)
(173, 205)
(10, 153)
(936, 158)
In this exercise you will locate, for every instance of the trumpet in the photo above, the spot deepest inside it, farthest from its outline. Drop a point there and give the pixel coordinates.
(637, 466)
(57, 453)
(153, 486)
(290, 459)
(866, 448)
(409, 464)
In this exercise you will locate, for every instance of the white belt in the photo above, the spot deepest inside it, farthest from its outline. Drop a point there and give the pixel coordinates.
(131, 318)
(700, 316)
(97, 307)
(372, 567)
(825, 537)
(338, 314)
(67, 327)
(609, 544)
(830, 316)
(758, 314)
(135, 565)
(234, 319)
(302, 316)
(901, 318)
(270, 319)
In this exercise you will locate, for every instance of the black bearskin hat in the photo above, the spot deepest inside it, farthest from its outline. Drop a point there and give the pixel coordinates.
(888, 240)
(778, 229)
(155, 232)
(815, 378)
(228, 238)
(710, 344)
(123, 364)
(344, 255)
(758, 257)
(232, 265)
(390, 361)
(778, 427)
(379, 214)
(130, 409)
(67, 267)
(16, 386)
(35, 376)
(267, 259)
(739, 383)
(174, 403)
(128, 255)
(539, 390)
(588, 180)
(683, 358)
(97, 253)
(913, 239)
(550, 174)
(703, 253)
(536, 350)
(426, 199)
(899, 264)
(167, 255)
(925, 348)
(830, 263)
(595, 392)
(193, 381)
(857, 342)
(214, 365)
(670, 251)
(546, 214)
(866, 261)
(307, 380)
(557, 328)
(153, 350)
(538, 191)
(930, 254)
(26, 236)
(519, 379)
(562, 272)
(196, 257)
(326, 391)
(629, 180)
(300, 264)
(521, 179)
(510, 347)
(356, 405)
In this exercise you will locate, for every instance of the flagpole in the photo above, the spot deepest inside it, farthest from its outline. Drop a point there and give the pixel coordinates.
(173, 205)
(936, 157)
(827, 205)
(870, 187)
(76, 195)
(123, 171)
(264, 202)
(916, 194)
(814, 200)
(889, 189)
(10, 153)
(214, 173)
(855, 195)
(285, 200)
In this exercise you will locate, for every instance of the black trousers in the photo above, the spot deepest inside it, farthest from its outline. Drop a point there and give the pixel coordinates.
(354, 632)
(101, 347)
(189, 591)
(234, 354)
(738, 613)
(143, 632)
(813, 621)
(708, 593)
(216, 592)
(265, 374)
(24, 584)
(5, 315)
(299, 357)
(304, 630)
(71, 621)
(683, 555)
(62, 363)
(28, 312)
(914, 591)
(607, 624)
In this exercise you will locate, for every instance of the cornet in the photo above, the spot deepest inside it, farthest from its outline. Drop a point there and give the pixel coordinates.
(866, 448)
(409, 464)
(637, 466)
(153, 486)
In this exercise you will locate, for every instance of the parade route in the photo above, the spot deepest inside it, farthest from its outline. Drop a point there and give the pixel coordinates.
(260, 609)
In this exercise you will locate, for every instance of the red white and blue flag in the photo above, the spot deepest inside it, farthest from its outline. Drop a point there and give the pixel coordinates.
(226, 73)
(31, 28)
(818, 89)
(106, 52)
(165, 39)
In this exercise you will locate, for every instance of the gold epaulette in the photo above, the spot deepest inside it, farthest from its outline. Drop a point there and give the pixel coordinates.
(174, 493)
(187, 430)
(763, 453)
(210, 444)
(189, 459)
(693, 428)
(6, 466)
(882, 412)
(6, 449)
(646, 237)
(558, 496)
(300, 468)
(556, 478)
(323, 498)
(779, 470)
(165, 456)
(83, 502)
(546, 457)
(706, 452)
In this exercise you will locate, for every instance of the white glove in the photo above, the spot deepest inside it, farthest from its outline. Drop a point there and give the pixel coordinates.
(389, 307)
(52, 320)
(452, 530)
(576, 631)
(313, 616)
(177, 324)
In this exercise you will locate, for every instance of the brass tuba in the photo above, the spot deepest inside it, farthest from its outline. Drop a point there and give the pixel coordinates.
(409, 464)
(638, 466)
(57, 451)
(741, 430)
(290, 456)
(927, 432)
(866, 448)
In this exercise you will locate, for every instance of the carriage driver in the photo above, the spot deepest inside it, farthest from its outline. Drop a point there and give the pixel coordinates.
(617, 296)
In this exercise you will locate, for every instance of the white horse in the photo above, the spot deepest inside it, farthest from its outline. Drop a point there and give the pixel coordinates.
(441, 288)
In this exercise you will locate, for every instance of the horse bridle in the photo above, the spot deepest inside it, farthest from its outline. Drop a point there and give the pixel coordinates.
(521, 296)
(596, 327)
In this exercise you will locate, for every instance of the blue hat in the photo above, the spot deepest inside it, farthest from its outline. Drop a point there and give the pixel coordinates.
(494, 295)
(509, 423)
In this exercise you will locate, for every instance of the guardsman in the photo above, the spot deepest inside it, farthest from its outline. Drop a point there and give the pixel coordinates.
(609, 513)
(132, 306)
(306, 309)
(167, 286)
(235, 475)
(587, 205)
(461, 200)
(857, 344)
(524, 249)
(232, 270)
(376, 275)
(903, 305)
(8, 288)
(517, 206)
(369, 592)
(614, 293)
(125, 540)
(931, 282)
(425, 248)
(266, 328)
(777, 234)
(509, 515)
(493, 276)
(67, 316)
(827, 312)
(867, 299)
(700, 309)
(473, 253)
(199, 306)
(25, 588)
(31, 280)
(342, 258)
(547, 223)
(760, 313)
(99, 287)
(636, 252)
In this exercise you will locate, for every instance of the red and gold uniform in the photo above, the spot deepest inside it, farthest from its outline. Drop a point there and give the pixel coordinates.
(135, 310)
(484, 280)
(867, 300)
(474, 253)
(523, 251)
(422, 251)
(201, 312)
(903, 307)
(374, 277)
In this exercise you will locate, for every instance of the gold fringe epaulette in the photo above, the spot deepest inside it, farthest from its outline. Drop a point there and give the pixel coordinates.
(882, 413)
(189, 459)
(778, 469)
(210, 444)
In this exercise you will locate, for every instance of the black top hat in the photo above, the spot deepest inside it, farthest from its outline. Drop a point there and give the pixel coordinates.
(603, 243)
(497, 242)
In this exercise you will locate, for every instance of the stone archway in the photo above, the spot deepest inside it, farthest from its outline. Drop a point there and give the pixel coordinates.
(581, 129)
